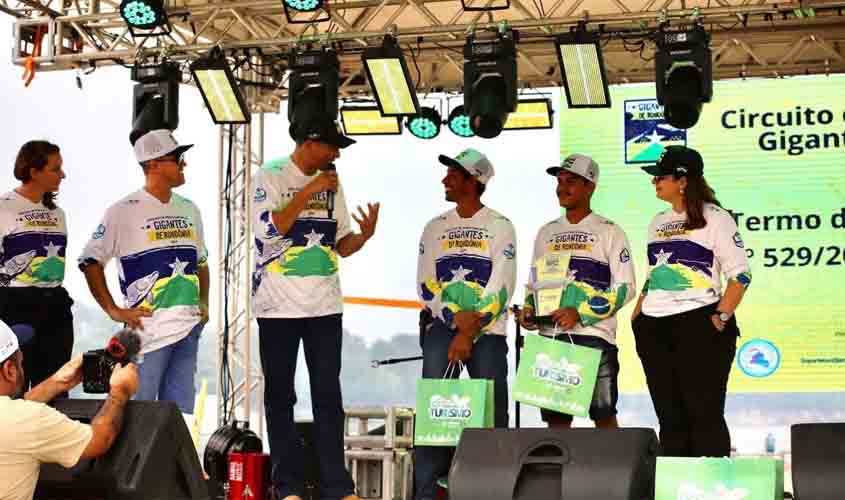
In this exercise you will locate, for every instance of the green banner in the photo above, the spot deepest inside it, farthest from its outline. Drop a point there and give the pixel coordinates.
(773, 151)
(557, 375)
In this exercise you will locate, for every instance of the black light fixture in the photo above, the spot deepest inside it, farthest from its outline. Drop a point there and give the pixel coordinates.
(219, 90)
(459, 122)
(490, 82)
(143, 17)
(368, 120)
(582, 68)
(312, 88)
(155, 99)
(426, 124)
(683, 73)
(390, 80)
(291, 7)
(469, 7)
(531, 114)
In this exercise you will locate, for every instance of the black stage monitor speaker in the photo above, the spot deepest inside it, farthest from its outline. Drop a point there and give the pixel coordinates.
(818, 461)
(153, 458)
(554, 464)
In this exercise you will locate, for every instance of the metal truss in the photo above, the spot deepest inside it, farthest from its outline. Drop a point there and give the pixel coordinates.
(751, 38)
(235, 246)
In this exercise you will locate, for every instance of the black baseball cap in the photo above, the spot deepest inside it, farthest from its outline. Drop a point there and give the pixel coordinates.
(322, 130)
(678, 161)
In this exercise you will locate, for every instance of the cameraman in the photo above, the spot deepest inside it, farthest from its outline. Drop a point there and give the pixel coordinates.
(32, 433)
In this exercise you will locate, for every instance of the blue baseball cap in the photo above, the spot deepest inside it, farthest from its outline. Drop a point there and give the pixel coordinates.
(12, 337)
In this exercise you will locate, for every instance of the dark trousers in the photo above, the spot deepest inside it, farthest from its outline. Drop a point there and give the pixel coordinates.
(279, 345)
(47, 311)
(489, 361)
(687, 362)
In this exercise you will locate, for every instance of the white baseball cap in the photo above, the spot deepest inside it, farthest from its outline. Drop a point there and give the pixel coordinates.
(157, 143)
(11, 339)
(473, 162)
(581, 165)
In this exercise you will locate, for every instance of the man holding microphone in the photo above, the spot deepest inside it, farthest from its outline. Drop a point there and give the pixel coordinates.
(301, 225)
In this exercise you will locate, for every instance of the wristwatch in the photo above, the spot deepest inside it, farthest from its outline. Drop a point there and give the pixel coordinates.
(723, 316)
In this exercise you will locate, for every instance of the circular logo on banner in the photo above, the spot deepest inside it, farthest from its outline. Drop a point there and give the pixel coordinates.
(758, 358)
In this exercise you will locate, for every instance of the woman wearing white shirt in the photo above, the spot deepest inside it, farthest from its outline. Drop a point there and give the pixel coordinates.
(33, 240)
(684, 321)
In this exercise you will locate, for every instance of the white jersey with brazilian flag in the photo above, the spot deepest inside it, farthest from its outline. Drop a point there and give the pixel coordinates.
(685, 267)
(468, 264)
(295, 273)
(600, 268)
(159, 248)
(33, 240)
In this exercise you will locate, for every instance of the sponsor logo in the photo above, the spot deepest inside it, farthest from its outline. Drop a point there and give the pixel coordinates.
(758, 358)
(646, 132)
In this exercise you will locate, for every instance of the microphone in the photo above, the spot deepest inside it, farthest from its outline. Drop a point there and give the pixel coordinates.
(330, 200)
(124, 345)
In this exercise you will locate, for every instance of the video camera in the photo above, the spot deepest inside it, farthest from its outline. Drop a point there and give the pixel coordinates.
(98, 364)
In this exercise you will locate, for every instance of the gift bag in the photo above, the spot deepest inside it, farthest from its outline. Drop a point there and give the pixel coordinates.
(730, 478)
(445, 407)
(555, 375)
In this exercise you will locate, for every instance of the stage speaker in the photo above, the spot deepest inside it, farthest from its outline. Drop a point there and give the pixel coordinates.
(154, 458)
(554, 464)
(818, 461)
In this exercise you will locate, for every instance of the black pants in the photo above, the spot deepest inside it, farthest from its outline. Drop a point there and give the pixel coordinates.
(687, 363)
(47, 310)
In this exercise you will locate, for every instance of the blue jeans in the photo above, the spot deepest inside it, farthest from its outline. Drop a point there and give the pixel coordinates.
(322, 338)
(167, 374)
(489, 361)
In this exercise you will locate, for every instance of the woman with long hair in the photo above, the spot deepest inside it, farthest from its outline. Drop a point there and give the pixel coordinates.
(33, 239)
(684, 322)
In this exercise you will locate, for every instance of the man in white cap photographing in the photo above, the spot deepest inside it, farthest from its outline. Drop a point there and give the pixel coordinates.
(602, 277)
(32, 433)
(465, 278)
(156, 237)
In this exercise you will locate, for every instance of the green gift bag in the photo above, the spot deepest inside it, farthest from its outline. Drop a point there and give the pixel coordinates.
(445, 407)
(719, 478)
(555, 375)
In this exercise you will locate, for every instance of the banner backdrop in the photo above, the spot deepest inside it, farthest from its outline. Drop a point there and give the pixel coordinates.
(774, 151)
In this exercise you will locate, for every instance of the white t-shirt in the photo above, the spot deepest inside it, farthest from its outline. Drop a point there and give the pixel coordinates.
(31, 434)
(159, 248)
(295, 273)
(468, 265)
(600, 265)
(685, 267)
(33, 240)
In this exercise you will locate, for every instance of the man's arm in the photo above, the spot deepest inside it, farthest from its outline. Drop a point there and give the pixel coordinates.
(96, 278)
(353, 242)
(68, 377)
(285, 218)
(108, 422)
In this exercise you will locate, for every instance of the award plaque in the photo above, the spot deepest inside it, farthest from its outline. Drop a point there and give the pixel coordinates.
(548, 283)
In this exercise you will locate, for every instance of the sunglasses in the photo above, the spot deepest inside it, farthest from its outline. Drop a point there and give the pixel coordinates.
(179, 161)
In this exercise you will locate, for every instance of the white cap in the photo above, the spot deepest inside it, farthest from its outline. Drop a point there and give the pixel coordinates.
(12, 338)
(473, 162)
(581, 165)
(157, 143)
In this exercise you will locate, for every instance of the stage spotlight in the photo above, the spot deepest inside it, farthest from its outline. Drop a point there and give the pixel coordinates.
(291, 7)
(155, 99)
(683, 74)
(368, 120)
(531, 114)
(459, 122)
(582, 69)
(145, 15)
(388, 75)
(312, 90)
(490, 82)
(219, 89)
(425, 125)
